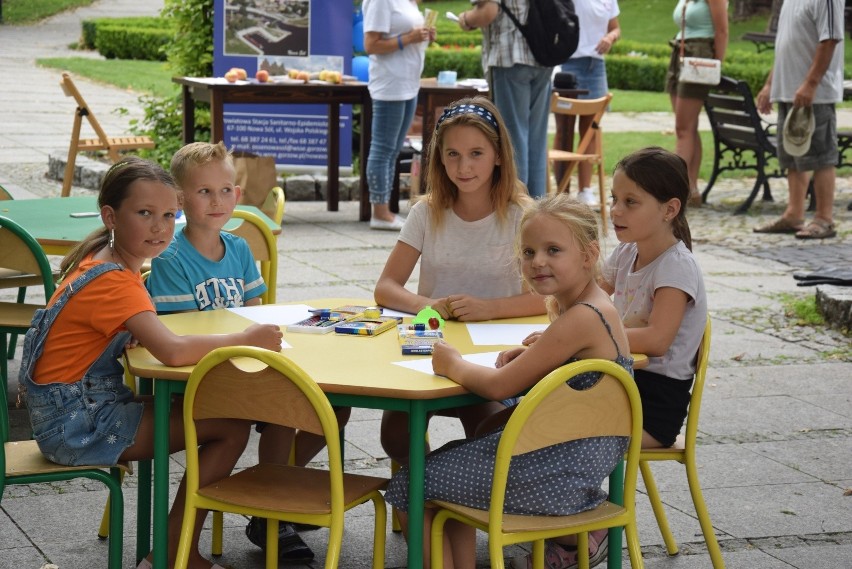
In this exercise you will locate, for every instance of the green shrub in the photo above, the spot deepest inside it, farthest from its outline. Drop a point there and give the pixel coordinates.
(121, 42)
(467, 62)
(458, 38)
(90, 27)
(636, 73)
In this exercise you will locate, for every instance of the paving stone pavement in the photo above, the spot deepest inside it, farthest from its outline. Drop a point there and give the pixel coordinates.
(776, 427)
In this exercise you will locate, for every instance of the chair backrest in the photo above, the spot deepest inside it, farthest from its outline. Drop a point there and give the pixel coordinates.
(553, 413)
(244, 382)
(263, 246)
(273, 206)
(19, 251)
(5, 195)
(579, 108)
(698, 387)
(83, 109)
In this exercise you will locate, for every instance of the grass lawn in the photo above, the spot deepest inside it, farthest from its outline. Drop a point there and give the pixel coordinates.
(29, 11)
(149, 77)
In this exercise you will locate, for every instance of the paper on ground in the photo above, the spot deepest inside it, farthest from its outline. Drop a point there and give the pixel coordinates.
(501, 334)
(424, 365)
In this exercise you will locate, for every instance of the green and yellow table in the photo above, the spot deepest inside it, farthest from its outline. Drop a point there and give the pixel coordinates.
(356, 371)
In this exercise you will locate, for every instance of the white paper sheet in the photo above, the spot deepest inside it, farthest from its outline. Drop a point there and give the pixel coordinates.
(281, 314)
(500, 334)
(424, 365)
(392, 312)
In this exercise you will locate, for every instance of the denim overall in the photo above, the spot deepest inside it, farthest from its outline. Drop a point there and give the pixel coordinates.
(93, 420)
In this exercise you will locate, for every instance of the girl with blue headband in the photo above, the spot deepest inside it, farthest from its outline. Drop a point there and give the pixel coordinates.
(462, 232)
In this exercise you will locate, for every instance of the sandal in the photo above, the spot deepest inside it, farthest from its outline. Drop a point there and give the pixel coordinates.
(781, 225)
(558, 556)
(817, 229)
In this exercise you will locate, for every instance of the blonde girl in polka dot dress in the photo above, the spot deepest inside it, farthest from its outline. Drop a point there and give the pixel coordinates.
(558, 255)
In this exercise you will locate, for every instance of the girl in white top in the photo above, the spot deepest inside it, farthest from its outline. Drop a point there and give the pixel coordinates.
(657, 285)
(396, 39)
(462, 233)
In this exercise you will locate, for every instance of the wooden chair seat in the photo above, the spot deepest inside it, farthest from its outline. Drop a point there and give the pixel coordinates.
(111, 144)
(23, 458)
(517, 524)
(293, 489)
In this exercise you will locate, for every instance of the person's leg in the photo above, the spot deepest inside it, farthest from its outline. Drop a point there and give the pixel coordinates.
(391, 120)
(308, 445)
(797, 189)
(274, 444)
(824, 185)
(539, 111)
(394, 436)
(688, 145)
(512, 98)
(459, 541)
(472, 416)
(221, 443)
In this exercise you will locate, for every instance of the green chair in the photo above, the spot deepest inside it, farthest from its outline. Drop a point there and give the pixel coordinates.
(21, 462)
(683, 451)
(20, 254)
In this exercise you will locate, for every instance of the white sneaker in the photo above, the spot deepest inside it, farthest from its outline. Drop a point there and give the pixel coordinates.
(382, 225)
(588, 197)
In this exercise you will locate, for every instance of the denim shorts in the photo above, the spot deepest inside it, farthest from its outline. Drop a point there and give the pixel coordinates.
(695, 47)
(823, 150)
(91, 421)
(590, 73)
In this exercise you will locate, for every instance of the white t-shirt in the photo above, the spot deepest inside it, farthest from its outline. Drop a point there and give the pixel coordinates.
(594, 16)
(634, 298)
(395, 76)
(465, 257)
(802, 25)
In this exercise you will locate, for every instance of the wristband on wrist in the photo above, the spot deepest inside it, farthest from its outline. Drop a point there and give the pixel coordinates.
(399, 42)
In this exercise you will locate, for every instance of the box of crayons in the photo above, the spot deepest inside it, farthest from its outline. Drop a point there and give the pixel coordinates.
(368, 323)
(417, 339)
(323, 320)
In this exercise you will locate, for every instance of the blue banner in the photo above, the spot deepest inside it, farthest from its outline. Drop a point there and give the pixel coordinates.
(284, 37)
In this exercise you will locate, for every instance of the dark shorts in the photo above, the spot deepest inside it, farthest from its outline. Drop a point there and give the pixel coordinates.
(664, 404)
(823, 150)
(695, 47)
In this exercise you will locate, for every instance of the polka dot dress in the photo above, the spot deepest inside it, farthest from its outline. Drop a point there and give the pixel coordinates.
(558, 480)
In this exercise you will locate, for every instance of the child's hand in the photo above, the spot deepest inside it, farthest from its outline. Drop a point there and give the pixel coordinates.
(131, 343)
(267, 336)
(531, 339)
(442, 306)
(469, 308)
(506, 356)
(443, 356)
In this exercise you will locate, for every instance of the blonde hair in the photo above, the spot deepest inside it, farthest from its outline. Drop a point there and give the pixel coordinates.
(197, 154)
(114, 190)
(506, 189)
(577, 218)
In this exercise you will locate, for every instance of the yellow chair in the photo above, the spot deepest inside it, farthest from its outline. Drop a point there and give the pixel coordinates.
(683, 451)
(273, 206)
(263, 246)
(590, 148)
(260, 385)
(552, 413)
(113, 145)
(20, 254)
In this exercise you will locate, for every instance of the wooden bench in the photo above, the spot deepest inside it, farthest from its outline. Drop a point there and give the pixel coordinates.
(112, 145)
(742, 140)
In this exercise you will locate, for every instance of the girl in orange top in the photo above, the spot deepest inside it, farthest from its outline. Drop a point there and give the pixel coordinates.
(81, 411)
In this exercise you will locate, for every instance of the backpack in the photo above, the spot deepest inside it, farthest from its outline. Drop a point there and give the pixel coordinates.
(552, 30)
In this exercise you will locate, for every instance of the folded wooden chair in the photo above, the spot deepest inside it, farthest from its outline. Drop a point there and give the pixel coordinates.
(113, 145)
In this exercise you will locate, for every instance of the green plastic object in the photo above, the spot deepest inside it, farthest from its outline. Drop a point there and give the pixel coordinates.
(429, 317)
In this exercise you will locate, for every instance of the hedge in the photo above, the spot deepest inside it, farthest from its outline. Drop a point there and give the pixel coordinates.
(465, 61)
(90, 27)
(121, 42)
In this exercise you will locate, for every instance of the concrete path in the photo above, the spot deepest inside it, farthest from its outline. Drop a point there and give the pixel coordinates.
(776, 427)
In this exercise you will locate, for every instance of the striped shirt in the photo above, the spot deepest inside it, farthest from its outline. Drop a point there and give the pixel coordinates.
(503, 44)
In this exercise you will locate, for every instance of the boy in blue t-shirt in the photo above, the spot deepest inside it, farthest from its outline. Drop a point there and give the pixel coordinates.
(205, 268)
